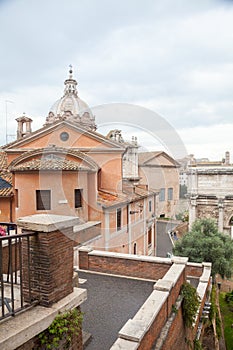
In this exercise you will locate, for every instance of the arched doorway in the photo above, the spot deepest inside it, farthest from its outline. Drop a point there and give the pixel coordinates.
(231, 224)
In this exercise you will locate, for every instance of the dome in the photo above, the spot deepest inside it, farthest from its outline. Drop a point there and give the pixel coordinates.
(71, 107)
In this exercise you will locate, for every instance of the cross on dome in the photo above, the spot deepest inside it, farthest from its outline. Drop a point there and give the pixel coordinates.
(71, 71)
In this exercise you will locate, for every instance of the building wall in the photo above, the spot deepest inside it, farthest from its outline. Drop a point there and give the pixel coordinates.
(160, 177)
(62, 192)
(132, 237)
(5, 209)
(106, 176)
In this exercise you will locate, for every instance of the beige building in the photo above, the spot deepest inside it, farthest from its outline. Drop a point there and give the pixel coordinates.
(160, 173)
(67, 168)
(210, 192)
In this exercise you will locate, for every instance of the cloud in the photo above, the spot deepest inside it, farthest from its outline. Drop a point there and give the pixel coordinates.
(173, 59)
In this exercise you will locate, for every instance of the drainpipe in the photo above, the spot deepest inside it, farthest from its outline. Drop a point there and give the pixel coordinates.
(11, 200)
(129, 229)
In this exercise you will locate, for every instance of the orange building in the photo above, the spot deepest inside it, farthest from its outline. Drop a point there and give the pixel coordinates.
(68, 168)
(160, 172)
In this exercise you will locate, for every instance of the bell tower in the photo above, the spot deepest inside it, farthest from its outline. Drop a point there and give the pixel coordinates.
(24, 126)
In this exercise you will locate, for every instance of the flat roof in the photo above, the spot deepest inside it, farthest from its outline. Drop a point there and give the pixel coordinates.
(111, 301)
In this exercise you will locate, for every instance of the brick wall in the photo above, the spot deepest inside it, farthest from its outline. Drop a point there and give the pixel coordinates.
(177, 335)
(126, 267)
(51, 267)
(194, 270)
(175, 292)
(154, 329)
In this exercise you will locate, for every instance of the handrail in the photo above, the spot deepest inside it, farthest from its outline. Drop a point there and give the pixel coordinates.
(12, 265)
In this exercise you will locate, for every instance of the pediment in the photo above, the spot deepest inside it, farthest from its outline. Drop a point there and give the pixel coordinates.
(158, 159)
(76, 137)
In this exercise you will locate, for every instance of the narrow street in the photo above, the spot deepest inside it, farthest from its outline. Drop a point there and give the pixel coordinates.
(164, 244)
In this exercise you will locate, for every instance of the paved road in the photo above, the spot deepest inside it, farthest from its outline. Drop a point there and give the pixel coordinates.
(164, 244)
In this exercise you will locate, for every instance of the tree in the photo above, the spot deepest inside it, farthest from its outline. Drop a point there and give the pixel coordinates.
(205, 243)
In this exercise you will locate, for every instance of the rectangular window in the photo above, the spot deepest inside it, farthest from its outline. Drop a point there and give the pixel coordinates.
(150, 206)
(43, 200)
(170, 194)
(162, 195)
(16, 198)
(149, 237)
(77, 198)
(118, 219)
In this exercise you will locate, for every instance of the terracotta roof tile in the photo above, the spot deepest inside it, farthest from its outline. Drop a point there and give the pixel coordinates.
(145, 156)
(6, 189)
(108, 199)
(6, 192)
(3, 161)
(49, 164)
(7, 176)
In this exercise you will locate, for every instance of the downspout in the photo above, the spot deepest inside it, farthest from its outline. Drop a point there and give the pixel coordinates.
(11, 211)
(129, 228)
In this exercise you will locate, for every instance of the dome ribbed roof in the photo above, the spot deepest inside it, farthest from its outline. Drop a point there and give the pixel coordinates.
(71, 107)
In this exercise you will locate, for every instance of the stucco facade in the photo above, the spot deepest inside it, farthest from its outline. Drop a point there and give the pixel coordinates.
(159, 172)
(68, 168)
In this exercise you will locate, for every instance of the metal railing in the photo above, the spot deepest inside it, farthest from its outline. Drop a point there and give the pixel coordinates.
(12, 278)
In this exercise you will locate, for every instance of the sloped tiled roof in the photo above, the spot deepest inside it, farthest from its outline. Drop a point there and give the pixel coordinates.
(49, 164)
(145, 157)
(3, 161)
(107, 199)
(54, 153)
(6, 189)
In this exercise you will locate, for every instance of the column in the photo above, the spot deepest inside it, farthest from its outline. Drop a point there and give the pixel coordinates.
(192, 210)
(220, 214)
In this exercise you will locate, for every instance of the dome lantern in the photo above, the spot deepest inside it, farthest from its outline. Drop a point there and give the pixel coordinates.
(71, 107)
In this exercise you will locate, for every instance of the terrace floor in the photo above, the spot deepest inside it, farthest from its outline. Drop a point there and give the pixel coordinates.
(111, 301)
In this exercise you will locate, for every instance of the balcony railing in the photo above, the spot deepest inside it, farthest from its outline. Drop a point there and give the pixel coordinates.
(14, 267)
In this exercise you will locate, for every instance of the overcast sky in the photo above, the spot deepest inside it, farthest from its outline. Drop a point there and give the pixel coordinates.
(173, 58)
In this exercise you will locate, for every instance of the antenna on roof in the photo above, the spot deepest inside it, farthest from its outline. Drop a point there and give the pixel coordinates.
(7, 101)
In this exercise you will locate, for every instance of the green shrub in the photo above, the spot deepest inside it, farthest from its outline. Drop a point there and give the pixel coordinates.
(190, 304)
(64, 326)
